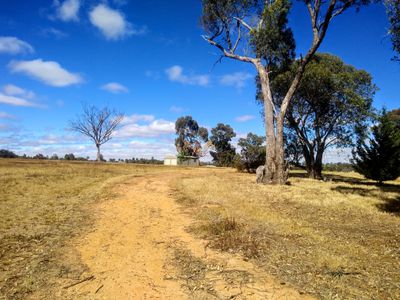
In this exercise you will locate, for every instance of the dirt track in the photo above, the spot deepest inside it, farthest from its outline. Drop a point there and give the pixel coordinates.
(132, 253)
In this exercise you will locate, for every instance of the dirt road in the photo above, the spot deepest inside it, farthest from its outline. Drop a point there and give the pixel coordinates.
(141, 250)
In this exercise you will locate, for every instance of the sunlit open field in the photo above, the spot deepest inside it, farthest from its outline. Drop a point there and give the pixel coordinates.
(335, 239)
(43, 204)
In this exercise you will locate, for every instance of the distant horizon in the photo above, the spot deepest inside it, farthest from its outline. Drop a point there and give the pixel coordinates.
(154, 67)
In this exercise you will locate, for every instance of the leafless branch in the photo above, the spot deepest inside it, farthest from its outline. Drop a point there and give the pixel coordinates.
(97, 124)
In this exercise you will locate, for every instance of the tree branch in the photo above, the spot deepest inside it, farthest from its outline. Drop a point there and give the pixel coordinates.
(228, 53)
(244, 23)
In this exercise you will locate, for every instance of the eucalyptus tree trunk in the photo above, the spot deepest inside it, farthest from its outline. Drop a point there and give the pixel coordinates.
(270, 163)
(219, 19)
(281, 168)
(318, 163)
(313, 162)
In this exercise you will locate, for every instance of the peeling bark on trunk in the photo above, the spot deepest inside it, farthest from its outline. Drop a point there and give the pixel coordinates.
(270, 163)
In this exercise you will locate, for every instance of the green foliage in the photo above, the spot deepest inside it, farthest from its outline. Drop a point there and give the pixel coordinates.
(69, 156)
(221, 137)
(380, 160)
(332, 101)
(54, 157)
(274, 41)
(252, 154)
(7, 154)
(271, 39)
(144, 161)
(189, 136)
(393, 10)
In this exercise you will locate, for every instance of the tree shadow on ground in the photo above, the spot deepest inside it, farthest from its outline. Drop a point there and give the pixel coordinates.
(389, 204)
(386, 187)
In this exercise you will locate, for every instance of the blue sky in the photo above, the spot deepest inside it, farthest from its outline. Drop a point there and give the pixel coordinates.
(147, 59)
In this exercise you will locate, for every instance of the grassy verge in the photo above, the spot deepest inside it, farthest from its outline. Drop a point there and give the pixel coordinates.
(335, 239)
(42, 206)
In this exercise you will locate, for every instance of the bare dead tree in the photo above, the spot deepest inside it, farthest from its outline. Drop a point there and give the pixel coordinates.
(97, 124)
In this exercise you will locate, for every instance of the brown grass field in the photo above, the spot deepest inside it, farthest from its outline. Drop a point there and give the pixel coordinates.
(338, 239)
(43, 204)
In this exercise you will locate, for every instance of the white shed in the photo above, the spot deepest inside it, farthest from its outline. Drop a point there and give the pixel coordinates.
(171, 160)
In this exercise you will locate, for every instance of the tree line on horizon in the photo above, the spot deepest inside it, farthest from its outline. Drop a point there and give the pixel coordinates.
(309, 103)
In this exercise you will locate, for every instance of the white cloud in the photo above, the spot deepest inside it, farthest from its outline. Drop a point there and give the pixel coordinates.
(135, 148)
(49, 72)
(115, 88)
(244, 118)
(112, 23)
(137, 118)
(68, 10)
(175, 73)
(237, 79)
(144, 126)
(16, 101)
(12, 45)
(4, 115)
(13, 90)
(61, 143)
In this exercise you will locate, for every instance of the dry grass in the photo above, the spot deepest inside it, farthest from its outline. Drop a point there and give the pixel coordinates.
(43, 204)
(337, 240)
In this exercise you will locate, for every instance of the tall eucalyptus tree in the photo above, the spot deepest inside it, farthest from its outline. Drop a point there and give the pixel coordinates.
(257, 32)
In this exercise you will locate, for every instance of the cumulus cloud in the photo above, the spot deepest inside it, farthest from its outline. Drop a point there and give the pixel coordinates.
(16, 101)
(144, 126)
(12, 45)
(115, 88)
(68, 10)
(61, 143)
(137, 118)
(13, 90)
(49, 72)
(112, 23)
(175, 73)
(244, 118)
(237, 79)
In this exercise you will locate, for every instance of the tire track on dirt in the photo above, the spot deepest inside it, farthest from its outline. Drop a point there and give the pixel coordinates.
(131, 252)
